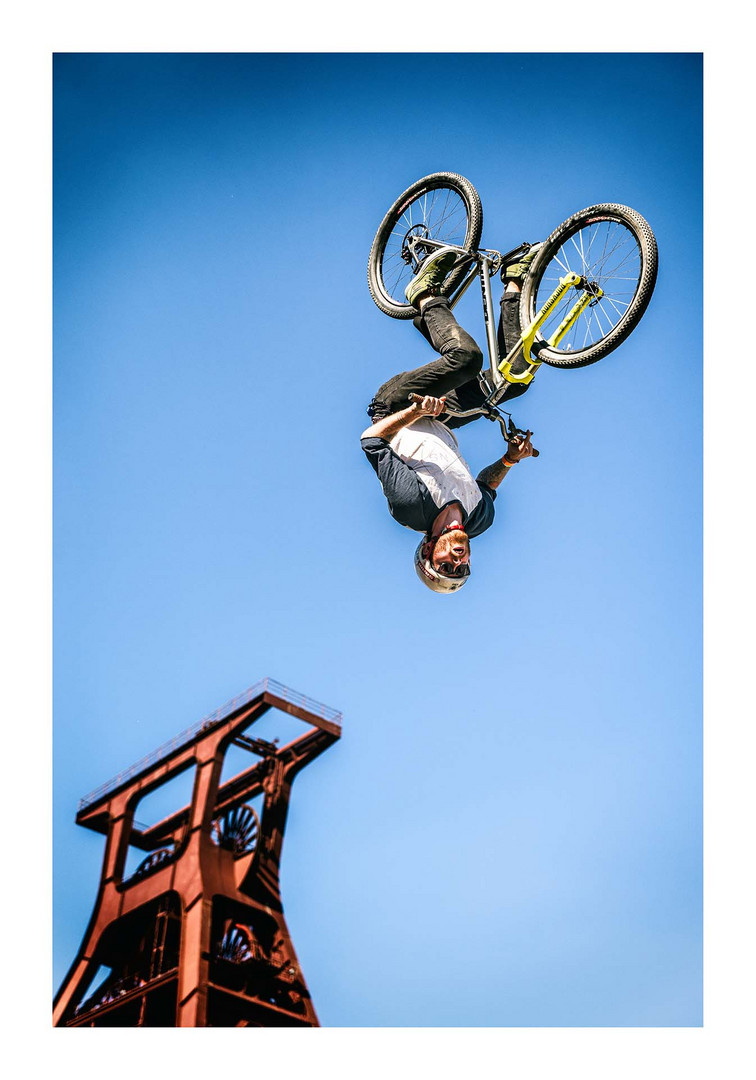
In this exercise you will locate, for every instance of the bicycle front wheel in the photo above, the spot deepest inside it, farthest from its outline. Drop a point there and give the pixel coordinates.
(444, 207)
(610, 246)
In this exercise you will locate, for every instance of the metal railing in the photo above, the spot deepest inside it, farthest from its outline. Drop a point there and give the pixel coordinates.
(293, 697)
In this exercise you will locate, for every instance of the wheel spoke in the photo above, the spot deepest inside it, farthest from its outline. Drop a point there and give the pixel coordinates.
(606, 253)
(441, 214)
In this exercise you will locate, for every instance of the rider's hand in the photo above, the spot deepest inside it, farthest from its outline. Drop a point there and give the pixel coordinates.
(428, 406)
(519, 448)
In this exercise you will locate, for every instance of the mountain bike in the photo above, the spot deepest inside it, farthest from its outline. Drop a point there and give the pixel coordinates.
(586, 290)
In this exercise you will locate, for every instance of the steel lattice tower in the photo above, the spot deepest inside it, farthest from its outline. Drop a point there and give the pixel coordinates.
(195, 936)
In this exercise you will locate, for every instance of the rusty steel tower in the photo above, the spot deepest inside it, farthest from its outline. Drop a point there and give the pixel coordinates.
(195, 936)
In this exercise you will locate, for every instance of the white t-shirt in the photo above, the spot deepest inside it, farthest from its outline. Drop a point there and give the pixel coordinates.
(431, 450)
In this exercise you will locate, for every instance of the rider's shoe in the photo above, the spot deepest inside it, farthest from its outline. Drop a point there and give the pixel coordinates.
(518, 271)
(430, 275)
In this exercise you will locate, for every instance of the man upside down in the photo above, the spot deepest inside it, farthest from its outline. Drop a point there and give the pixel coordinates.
(413, 449)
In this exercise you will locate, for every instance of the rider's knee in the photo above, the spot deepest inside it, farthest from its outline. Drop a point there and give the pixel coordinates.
(471, 357)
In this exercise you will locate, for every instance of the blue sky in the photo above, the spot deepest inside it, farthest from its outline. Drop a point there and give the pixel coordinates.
(509, 832)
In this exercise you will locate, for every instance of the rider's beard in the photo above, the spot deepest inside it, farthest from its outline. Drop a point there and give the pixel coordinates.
(444, 544)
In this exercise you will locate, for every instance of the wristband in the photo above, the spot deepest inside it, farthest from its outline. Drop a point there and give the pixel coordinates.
(507, 462)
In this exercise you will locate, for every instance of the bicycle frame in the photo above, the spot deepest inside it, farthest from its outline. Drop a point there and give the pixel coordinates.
(500, 376)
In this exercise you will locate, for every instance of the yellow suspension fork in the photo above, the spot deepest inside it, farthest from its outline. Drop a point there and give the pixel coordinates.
(527, 337)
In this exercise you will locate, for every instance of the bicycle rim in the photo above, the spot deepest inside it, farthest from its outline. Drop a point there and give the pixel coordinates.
(443, 207)
(608, 253)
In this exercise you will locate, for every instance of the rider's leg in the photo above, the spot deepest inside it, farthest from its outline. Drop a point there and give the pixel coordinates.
(444, 333)
(509, 320)
(509, 329)
(458, 365)
(508, 332)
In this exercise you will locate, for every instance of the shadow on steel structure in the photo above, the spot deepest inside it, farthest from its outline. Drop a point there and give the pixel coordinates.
(195, 936)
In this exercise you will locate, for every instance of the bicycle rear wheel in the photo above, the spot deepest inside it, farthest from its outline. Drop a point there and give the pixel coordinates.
(611, 246)
(444, 207)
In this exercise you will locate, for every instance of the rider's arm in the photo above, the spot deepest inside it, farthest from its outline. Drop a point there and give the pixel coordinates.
(493, 474)
(391, 425)
(519, 448)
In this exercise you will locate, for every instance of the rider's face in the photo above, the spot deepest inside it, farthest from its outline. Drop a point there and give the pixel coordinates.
(451, 550)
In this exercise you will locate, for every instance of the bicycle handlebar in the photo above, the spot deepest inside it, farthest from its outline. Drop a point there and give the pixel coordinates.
(489, 413)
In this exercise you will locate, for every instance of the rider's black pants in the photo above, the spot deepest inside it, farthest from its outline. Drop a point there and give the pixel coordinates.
(455, 373)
